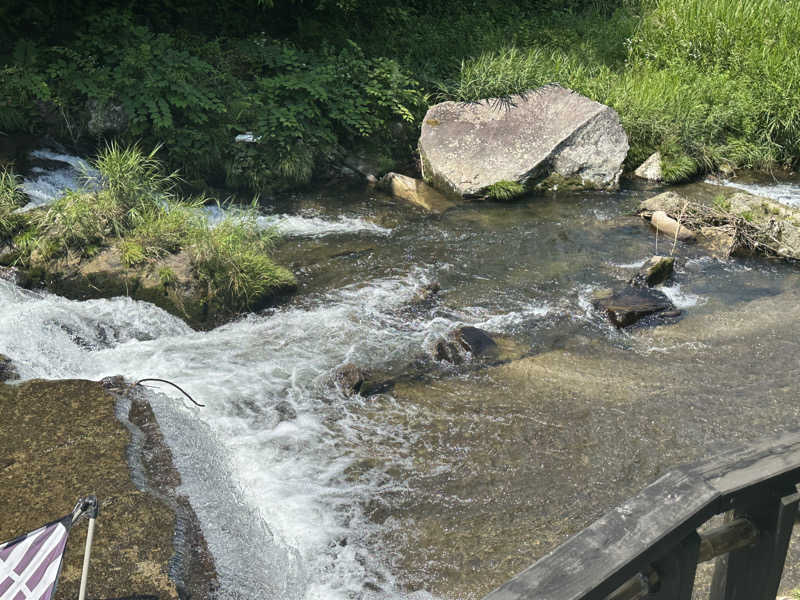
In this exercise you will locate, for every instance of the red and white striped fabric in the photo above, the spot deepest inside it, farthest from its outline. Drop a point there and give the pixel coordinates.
(30, 564)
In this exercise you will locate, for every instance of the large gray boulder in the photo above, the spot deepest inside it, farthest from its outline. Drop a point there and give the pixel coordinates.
(550, 136)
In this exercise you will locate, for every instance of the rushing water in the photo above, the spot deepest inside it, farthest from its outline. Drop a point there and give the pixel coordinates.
(457, 476)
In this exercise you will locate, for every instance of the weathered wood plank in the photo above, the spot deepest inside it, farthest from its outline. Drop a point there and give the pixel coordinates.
(754, 573)
(596, 561)
(628, 539)
(737, 469)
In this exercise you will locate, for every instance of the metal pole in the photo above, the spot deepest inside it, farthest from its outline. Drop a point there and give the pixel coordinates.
(91, 508)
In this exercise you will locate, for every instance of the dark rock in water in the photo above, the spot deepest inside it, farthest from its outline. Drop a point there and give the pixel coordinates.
(655, 271)
(626, 306)
(286, 411)
(448, 351)
(475, 341)
(348, 378)
(114, 383)
(461, 341)
(7, 369)
(373, 386)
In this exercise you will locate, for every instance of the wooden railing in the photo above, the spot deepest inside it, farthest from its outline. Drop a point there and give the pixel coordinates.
(649, 547)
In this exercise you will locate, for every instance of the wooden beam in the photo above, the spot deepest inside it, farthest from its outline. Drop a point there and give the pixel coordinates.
(754, 573)
(645, 529)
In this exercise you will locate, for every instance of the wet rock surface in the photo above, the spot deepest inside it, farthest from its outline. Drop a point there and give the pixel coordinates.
(7, 370)
(626, 306)
(61, 440)
(467, 147)
(654, 271)
(462, 343)
(416, 192)
(348, 378)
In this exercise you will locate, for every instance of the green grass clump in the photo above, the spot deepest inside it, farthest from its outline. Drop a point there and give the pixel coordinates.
(708, 84)
(504, 190)
(133, 206)
(11, 198)
(232, 258)
(722, 203)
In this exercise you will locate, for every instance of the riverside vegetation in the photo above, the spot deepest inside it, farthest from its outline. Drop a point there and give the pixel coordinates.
(133, 207)
(710, 84)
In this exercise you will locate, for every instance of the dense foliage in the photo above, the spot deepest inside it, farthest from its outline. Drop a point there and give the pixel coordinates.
(710, 83)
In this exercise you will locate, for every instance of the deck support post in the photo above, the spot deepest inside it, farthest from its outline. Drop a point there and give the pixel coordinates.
(754, 573)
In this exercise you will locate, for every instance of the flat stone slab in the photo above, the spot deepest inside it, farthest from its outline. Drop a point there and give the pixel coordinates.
(628, 305)
(467, 147)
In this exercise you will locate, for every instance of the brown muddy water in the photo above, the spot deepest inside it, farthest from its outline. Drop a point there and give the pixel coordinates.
(454, 478)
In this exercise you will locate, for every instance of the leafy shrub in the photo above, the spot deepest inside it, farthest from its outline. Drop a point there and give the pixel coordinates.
(303, 106)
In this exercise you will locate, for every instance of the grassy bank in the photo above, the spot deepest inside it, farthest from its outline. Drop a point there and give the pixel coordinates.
(710, 84)
(132, 207)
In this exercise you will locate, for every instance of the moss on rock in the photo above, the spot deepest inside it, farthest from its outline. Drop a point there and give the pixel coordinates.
(61, 440)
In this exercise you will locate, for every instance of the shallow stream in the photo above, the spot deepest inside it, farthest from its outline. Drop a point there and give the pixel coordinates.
(456, 477)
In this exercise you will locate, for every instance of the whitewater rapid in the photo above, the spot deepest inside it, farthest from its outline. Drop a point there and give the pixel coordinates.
(281, 514)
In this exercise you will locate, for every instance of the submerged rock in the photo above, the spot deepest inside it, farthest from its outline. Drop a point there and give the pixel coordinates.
(627, 306)
(461, 342)
(651, 168)
(286, 411)
(416, 192)
(348, 378)
(654, 271)
(466, 148)
(427, 293)
(8, 371)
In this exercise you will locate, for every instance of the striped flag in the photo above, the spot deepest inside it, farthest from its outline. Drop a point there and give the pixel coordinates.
(30, 564)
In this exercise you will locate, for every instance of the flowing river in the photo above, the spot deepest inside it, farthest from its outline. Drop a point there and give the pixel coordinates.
(454, 478)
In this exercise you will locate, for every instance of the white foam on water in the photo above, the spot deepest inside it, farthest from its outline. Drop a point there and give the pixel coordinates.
(784, 192)
(306, 225)
(279, 507)
(43, 186)
(632, 265)
(681, 298)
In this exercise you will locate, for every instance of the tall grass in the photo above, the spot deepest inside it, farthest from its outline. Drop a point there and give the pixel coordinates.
(11, 198)
(232, 258)
(706, 82)
(133, 205)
